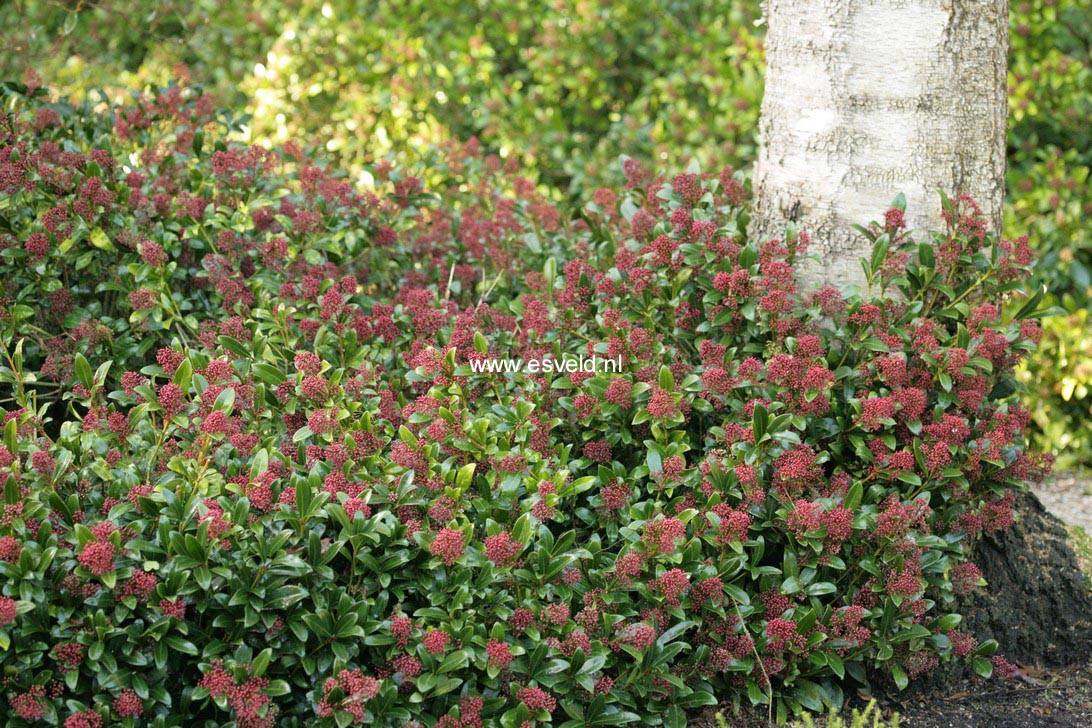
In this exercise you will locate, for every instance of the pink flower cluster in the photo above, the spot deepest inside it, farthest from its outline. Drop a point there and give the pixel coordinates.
(537, 699)
(253, 708)
(449, 545)
(499, 654)
(98, 557)
(502, 550)
(8, 610)
(672, 584)
(661, 535)
(355, 689)
(128, 704)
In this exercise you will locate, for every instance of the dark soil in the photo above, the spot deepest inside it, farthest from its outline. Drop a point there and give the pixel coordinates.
(1062, 699)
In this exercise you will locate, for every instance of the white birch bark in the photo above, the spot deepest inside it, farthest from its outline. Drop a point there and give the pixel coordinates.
(868, 98)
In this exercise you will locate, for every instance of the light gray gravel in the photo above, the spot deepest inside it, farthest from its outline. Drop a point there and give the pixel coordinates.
(1069, 497)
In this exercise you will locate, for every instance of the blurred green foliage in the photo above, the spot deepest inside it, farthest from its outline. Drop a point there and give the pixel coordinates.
(1059, 389)
(563, 88)
(1050, 140)
(1050, 200)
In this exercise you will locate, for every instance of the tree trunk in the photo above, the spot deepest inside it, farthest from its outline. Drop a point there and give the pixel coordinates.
(869, 98)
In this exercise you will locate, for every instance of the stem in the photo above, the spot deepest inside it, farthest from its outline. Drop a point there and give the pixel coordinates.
(761, 666)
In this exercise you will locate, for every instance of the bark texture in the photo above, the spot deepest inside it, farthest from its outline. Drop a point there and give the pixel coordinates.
(868, 98)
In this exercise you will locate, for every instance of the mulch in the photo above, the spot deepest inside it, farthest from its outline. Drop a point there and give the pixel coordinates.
(1058, 698)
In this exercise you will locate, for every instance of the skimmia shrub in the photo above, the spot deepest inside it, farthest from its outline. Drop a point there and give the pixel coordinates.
(264, 484)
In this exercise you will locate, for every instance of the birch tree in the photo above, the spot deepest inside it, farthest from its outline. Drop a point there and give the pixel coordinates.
(868, 98)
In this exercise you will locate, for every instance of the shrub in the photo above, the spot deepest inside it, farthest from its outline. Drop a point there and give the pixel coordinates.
(564, 89)
(280, 492)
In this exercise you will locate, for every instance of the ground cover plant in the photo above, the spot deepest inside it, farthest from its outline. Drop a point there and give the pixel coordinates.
(250, 474)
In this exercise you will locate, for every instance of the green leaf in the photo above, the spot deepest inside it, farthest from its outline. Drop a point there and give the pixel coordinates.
(456, 660)
(177, 643)
(203, 577)
(83, 371)
(898, 674)
(225, 401)
(260, 664)
(277, 688)
(760, 422)
(549, 272)
(836, 665)
(853, 496)
(1031, 304)
(667, 379)
(675, 717)
(183, 376)
(100, 240)
(465, 475)
(260, 464)
(102, 371)
(268, 373)
(235, 347)
(674, 631)
(654, 461)
(910, 479)
(879, 252)
(949, 622)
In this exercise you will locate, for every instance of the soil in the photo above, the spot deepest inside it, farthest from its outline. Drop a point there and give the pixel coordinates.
(1062, 699)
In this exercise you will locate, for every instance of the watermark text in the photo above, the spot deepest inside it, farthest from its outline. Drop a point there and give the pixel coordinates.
(566, 365)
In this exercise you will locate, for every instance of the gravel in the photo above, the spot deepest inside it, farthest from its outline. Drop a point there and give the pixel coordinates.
(1069, 497)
